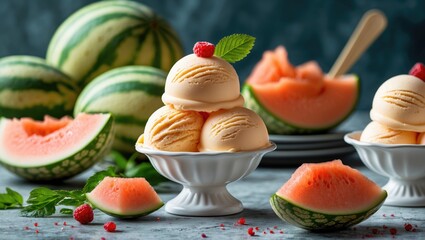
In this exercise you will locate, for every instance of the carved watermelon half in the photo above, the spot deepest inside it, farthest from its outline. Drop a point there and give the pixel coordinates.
(296, 100)
(326, 197)
(125, 197)
(54, 148)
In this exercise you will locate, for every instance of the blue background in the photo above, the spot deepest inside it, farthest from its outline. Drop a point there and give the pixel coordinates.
(310, 29)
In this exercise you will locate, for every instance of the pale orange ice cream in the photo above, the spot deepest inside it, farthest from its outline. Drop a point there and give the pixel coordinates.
(236, 129)
(378, 133)
(173, 130)
(399, 103)
(202, 84)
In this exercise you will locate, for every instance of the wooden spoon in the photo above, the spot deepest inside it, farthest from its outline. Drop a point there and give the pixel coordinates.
(369, 28)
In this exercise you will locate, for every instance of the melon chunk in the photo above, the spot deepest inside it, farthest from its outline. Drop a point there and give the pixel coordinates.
(327, 196)
(54, 148)
(125, 197)
(298, 99)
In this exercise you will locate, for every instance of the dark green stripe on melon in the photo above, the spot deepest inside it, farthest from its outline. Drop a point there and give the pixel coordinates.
(130, 216)
(82, 34)
(317, 221)
(127, 86)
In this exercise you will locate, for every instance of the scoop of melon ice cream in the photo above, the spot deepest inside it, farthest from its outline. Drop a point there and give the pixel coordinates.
(173, 130)
(399, 103)
(378, 133)
(236, 129)
(202, 84)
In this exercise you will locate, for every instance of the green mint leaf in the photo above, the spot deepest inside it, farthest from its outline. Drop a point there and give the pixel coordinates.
(10, 199)
(94, 180)
(18, 197)
(66, 211)
(119, 160)
(235, 47)
(42, 202)
(147, 171)
(71, 202)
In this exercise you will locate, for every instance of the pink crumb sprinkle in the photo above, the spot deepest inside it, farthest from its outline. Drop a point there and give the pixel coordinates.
(203, 235)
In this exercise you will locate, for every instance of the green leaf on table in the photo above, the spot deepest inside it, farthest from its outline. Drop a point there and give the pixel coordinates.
(42, 202)
(10, 199)
(94, 180)
(18, 197)
(119, 160)
(66, 211)
(235, 47)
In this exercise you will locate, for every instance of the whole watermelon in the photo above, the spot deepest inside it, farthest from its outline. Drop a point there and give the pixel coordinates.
(110, 34)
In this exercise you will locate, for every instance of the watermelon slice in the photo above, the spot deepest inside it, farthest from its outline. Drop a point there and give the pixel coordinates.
(125, 197)
(294, 100)
(327, 196)
(54, 148)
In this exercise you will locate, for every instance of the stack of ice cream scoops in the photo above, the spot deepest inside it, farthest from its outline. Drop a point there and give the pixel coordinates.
(398, 110)
(203, 109)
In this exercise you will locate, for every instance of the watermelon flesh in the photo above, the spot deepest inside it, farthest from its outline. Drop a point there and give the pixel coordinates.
(302, 96)
(331, 187)
(26, 142)
(125, 197)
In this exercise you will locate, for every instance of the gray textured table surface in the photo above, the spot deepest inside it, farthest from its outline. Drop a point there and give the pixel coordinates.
(254, 191)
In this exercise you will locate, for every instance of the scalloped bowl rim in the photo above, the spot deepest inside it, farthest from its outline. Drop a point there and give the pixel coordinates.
(269, 148)
(353, 139)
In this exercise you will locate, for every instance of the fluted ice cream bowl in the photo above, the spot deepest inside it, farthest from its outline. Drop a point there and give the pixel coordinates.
(204, 176)
(403, 164)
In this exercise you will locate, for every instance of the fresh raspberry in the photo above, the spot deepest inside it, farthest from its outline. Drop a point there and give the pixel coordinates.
(241, 221)
(251, 231)
(110, 226)
(83, 214)
(418, 70)
(204, 49)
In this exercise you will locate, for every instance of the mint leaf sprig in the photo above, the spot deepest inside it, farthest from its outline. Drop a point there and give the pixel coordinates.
(235, 47)
(43, 201)
(10, 200)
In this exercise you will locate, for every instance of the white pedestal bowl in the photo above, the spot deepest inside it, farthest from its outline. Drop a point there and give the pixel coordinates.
(204, 176)
(403, 164)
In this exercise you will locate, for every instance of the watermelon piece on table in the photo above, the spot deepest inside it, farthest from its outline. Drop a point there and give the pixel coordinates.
(54, 149)
(125, 197)
(110, 34)
(326, 197)
(296, 100)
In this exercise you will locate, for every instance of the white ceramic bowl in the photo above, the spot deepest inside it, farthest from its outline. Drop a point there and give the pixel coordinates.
(204, 176)
(403, 164)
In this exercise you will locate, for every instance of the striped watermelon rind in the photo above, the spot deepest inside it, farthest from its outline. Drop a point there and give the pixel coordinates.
(318, 221)
(142, 213)
(110, 34)
(131, 94)
(29, 87)
(68, 166)
(277, 125)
